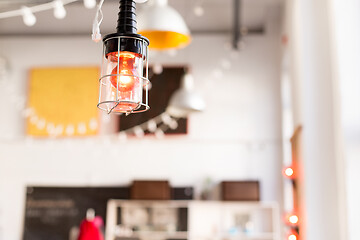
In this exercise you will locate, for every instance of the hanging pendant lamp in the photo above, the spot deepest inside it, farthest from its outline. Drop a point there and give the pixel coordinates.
(185, 100)
(163, 26)
(124, 72)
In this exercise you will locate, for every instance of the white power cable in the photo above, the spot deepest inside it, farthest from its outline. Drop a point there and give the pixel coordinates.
(96, 35)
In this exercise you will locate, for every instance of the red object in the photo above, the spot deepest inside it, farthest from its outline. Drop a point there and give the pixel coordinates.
(90, 230)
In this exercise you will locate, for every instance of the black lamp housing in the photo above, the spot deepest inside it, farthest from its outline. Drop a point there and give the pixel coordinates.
(126, 27)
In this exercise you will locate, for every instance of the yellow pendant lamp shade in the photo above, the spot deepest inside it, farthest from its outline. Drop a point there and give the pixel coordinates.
(163, 26)
(164, 40)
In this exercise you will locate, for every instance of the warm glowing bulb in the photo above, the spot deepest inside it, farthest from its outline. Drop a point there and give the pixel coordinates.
(292, 237)
(125, 80)
(289, 171)
(293, 219)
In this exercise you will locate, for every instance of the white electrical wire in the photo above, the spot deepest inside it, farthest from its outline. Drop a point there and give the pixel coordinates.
(60, 12)
(34, 9)
(96, 35)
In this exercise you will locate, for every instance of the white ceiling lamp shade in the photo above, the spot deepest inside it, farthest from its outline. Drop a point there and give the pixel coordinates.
(185, 100)
(163, 26)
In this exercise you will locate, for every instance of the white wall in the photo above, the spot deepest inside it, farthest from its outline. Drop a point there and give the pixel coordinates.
(316, 105)
(243, 107)
(347, 29)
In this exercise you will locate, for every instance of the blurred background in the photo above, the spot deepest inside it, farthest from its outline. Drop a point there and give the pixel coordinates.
(253, 130)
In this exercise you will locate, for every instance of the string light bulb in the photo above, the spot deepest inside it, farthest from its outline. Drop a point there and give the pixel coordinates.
(59, 9)
(122, 136)
(292, 219)
(292, 235)
(159, 133)
(157, 68)
(199, 11)
(89, 3)
(28, 17)
(151, 125)
(139, 132)
(289, 172)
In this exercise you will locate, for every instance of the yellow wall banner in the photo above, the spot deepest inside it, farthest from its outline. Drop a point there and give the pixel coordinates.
(62, 101)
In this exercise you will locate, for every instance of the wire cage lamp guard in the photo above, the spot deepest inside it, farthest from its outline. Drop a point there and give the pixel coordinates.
(124, 82)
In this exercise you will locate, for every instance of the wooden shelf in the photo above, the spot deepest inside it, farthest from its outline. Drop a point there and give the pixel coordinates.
(159, 234)
(207, 220)
(249, 236)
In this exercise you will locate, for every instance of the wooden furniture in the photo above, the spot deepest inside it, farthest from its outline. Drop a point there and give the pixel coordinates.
(150, 190)
(128, 219)
(205, 220)
(240, 191)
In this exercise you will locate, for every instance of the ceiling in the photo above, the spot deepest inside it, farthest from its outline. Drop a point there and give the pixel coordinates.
(217, 18)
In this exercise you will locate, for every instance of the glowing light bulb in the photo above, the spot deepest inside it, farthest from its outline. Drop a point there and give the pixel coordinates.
(293, 219)
(289, 172)
(125, 81)
(292, 237)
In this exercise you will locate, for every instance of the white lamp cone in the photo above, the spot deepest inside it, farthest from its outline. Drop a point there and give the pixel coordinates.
(158, 17)
(185, 100)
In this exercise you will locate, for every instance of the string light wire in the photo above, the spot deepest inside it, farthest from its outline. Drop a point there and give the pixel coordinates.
(34, 9)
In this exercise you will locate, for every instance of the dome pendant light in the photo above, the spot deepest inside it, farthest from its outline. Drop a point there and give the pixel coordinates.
(124, 71)
(185, 100)
(163, 26)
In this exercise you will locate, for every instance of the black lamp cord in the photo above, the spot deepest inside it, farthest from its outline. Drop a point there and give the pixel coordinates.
(127, 17)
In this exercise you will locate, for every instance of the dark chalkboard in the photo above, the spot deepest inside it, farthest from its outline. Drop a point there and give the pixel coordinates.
(163, 86)
(51, 212)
